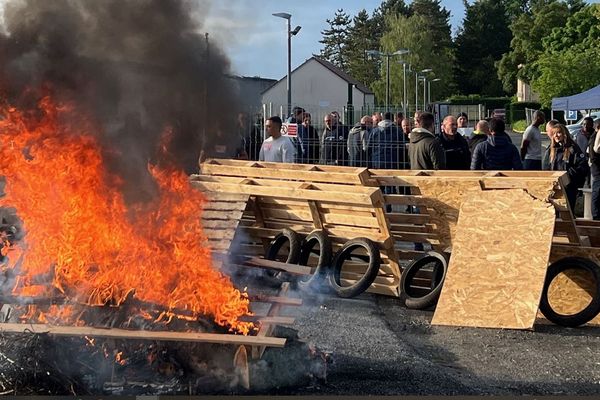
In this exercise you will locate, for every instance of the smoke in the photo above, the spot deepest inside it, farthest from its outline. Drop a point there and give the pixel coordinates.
(135, 66)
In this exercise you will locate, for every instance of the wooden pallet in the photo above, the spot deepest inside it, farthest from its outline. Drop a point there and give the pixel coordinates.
(277, 200)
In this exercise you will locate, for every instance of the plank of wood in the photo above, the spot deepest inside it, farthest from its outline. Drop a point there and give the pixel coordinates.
(316, 214)
(115, 333)
(290, 193)
(293, 269)
(280, 173)
(267, 329)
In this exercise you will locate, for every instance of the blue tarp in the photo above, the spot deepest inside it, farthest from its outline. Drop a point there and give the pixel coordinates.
(589, 99)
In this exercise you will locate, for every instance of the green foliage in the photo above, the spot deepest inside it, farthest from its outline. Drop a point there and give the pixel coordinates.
(360, 39)
(437, 20)
(480, 43)
(528, 30)
(335, 40)
(519, 125)
(569, 65)
(415, 34)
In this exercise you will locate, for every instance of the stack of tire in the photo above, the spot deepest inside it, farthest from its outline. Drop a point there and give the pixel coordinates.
(328, 271)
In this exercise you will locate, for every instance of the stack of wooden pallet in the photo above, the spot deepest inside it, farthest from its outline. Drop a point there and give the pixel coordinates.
(395, 208)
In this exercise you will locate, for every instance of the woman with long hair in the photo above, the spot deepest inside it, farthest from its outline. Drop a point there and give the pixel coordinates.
(565, 155)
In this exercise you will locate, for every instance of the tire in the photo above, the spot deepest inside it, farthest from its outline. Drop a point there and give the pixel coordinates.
(370, 274)
(322, 270)
(585, 315)
(295, 241)
(439, 274)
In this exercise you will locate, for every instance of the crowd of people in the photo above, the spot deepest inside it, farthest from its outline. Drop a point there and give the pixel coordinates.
(393, 141)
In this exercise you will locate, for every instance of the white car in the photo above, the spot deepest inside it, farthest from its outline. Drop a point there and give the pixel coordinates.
(575, 128)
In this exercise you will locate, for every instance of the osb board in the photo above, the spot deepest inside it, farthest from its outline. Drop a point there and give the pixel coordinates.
(445, 196)
(570, 291)
(499, 261)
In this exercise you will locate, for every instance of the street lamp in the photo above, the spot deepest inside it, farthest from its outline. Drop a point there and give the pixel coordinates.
(424, 72)
(377, 53)
(429, 89)
(290, 33)
(404, 96)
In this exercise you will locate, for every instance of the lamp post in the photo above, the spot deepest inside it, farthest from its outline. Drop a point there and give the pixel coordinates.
(290, 33)
(404, 96)
(425, 71)
(387, 56)
(429, 89)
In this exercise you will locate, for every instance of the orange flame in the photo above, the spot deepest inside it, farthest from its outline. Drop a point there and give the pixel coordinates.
(79, 230)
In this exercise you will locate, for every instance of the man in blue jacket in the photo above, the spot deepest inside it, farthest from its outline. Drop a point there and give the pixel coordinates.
(497, 152)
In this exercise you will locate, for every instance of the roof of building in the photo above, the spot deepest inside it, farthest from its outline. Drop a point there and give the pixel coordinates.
(333, 69)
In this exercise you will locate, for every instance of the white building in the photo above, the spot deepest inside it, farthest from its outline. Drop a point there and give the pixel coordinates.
(319, 87)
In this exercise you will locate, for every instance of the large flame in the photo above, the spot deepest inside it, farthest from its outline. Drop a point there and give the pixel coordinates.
(80, 233)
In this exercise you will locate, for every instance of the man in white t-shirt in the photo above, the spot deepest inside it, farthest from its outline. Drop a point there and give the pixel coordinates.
(276, 148)
(531, 146)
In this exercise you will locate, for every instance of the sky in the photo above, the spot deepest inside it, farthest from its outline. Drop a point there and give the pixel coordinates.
(256, 41)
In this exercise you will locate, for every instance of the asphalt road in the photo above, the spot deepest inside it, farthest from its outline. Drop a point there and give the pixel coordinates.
(379, 347)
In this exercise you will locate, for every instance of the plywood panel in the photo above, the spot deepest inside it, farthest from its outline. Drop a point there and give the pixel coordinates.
(499, 261)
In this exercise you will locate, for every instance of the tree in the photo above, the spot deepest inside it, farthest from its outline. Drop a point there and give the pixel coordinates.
(480, 43)
(415, 34)
(569, 63)
(361, 39)
(528, 31)
(335, 40)
(437, 21)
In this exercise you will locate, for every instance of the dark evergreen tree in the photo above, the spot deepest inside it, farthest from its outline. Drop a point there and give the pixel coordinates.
(361, 38)
(335, 40)
(484, 37)
(438, 21)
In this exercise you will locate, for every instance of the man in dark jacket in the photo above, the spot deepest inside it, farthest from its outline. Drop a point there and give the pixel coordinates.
(333, 142)
(497, 152)
(386, 145)
(425, 150)
(455, 145)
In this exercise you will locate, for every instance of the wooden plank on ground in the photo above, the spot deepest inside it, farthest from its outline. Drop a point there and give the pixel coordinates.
(142, 335)
(499, 261)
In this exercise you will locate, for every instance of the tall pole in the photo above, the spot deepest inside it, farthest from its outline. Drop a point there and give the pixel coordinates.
(404, 102)
(387, 82)
(424, 93)
(429, 92)
(289, 67)
(416, 91)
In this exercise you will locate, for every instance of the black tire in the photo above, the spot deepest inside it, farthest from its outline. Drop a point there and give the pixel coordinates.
(370, 274)
(295, 242)
(411, 300)
(589, 312)
(321, 239)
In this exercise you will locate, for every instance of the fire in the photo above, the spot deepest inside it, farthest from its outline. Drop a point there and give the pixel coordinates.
(81, 235)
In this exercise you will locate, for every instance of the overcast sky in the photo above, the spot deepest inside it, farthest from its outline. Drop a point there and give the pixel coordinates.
(256, 42)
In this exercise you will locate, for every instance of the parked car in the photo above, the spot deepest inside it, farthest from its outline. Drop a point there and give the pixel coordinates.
(499, 113)
(575, 128)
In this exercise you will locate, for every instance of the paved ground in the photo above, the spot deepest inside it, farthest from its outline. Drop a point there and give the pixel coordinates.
(379, 347)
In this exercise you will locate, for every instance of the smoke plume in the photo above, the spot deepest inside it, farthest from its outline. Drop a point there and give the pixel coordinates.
(135, 66)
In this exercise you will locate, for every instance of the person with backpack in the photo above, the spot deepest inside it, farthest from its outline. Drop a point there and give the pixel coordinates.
(565, 155)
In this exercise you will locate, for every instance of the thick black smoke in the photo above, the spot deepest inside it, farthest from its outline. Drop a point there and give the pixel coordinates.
(136, 66)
